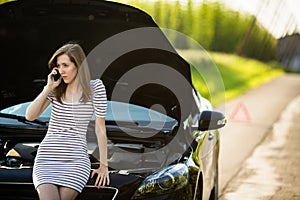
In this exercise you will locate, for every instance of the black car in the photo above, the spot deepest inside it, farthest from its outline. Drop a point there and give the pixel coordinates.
(163, 140)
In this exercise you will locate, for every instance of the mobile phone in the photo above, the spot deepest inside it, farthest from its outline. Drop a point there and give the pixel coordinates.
(56, 76)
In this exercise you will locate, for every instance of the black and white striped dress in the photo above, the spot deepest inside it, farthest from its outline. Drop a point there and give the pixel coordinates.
(62, 157)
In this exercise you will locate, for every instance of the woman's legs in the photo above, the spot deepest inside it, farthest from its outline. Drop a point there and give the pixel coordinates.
(48, 192)
(67, 193)
(53, 192)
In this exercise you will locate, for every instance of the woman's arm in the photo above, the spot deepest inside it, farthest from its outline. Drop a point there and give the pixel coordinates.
(40, 103)
(102, 171)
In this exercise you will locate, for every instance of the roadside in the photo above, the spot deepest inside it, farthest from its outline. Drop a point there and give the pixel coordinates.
(239, 139)
(272, 172)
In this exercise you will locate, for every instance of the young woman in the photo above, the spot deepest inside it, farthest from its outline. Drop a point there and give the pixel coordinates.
(62, 166)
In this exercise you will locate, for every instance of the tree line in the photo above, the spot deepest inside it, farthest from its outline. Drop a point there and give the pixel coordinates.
(214, 26)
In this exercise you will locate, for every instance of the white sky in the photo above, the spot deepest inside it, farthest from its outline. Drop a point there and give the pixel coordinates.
(279, 16)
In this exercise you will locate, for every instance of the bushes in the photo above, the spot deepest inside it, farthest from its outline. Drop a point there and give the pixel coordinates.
(212, 25)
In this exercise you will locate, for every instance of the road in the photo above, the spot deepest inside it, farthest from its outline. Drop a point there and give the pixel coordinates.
(247, 130)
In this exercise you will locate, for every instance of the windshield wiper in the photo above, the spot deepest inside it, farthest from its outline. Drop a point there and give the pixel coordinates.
(22, 119)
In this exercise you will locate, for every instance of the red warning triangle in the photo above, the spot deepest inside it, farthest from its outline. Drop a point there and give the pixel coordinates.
(240, 114)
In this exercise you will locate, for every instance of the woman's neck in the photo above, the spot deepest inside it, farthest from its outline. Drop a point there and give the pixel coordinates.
(74, 86)
(73, 92)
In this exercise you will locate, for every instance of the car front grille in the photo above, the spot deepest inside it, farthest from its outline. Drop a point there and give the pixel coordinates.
(93, 193)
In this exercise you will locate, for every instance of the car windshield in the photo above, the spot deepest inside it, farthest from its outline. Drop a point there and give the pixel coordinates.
(116, 111)
(20, 110)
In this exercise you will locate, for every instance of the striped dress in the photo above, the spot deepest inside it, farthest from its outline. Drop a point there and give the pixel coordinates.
(62, 157)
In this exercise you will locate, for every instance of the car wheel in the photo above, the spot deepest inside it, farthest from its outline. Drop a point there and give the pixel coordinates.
(215, 191)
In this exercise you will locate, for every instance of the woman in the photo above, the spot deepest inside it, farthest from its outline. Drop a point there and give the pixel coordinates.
(62, 166)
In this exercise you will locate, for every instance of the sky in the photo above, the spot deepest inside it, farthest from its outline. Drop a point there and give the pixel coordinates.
(280, 17)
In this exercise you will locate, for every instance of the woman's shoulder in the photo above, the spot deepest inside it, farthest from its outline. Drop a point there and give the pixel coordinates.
(96, 83)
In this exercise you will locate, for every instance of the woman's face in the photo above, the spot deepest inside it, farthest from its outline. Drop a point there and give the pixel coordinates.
(66, 68)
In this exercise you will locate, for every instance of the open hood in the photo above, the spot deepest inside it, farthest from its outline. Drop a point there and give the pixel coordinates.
(31, 30)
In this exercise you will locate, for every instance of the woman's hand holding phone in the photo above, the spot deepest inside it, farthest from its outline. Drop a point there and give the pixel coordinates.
(54, 78)
(57, 75)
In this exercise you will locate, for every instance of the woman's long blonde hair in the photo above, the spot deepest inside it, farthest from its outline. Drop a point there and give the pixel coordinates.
(78, 57)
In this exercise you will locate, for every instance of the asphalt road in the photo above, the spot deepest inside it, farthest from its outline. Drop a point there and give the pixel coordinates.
(251, 120)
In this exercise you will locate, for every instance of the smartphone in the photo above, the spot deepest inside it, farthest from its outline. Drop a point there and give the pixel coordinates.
(56, 76)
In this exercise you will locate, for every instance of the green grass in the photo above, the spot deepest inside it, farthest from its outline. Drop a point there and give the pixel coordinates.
(220, 77)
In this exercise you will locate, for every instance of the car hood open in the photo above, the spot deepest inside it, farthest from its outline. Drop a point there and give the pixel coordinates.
(31, 30)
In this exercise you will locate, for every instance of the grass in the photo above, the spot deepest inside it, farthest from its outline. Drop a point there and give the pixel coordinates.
(220, 77)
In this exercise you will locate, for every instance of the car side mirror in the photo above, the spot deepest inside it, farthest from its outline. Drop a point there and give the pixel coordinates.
(211, 120)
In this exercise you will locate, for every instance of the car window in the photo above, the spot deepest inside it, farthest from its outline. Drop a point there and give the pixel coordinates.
(20, 110)
(119, 111)
(116, 111)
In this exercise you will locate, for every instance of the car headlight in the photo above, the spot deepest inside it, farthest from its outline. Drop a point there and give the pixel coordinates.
(167, 180)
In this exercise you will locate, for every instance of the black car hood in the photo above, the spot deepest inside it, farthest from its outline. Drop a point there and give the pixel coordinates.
(31, 30)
